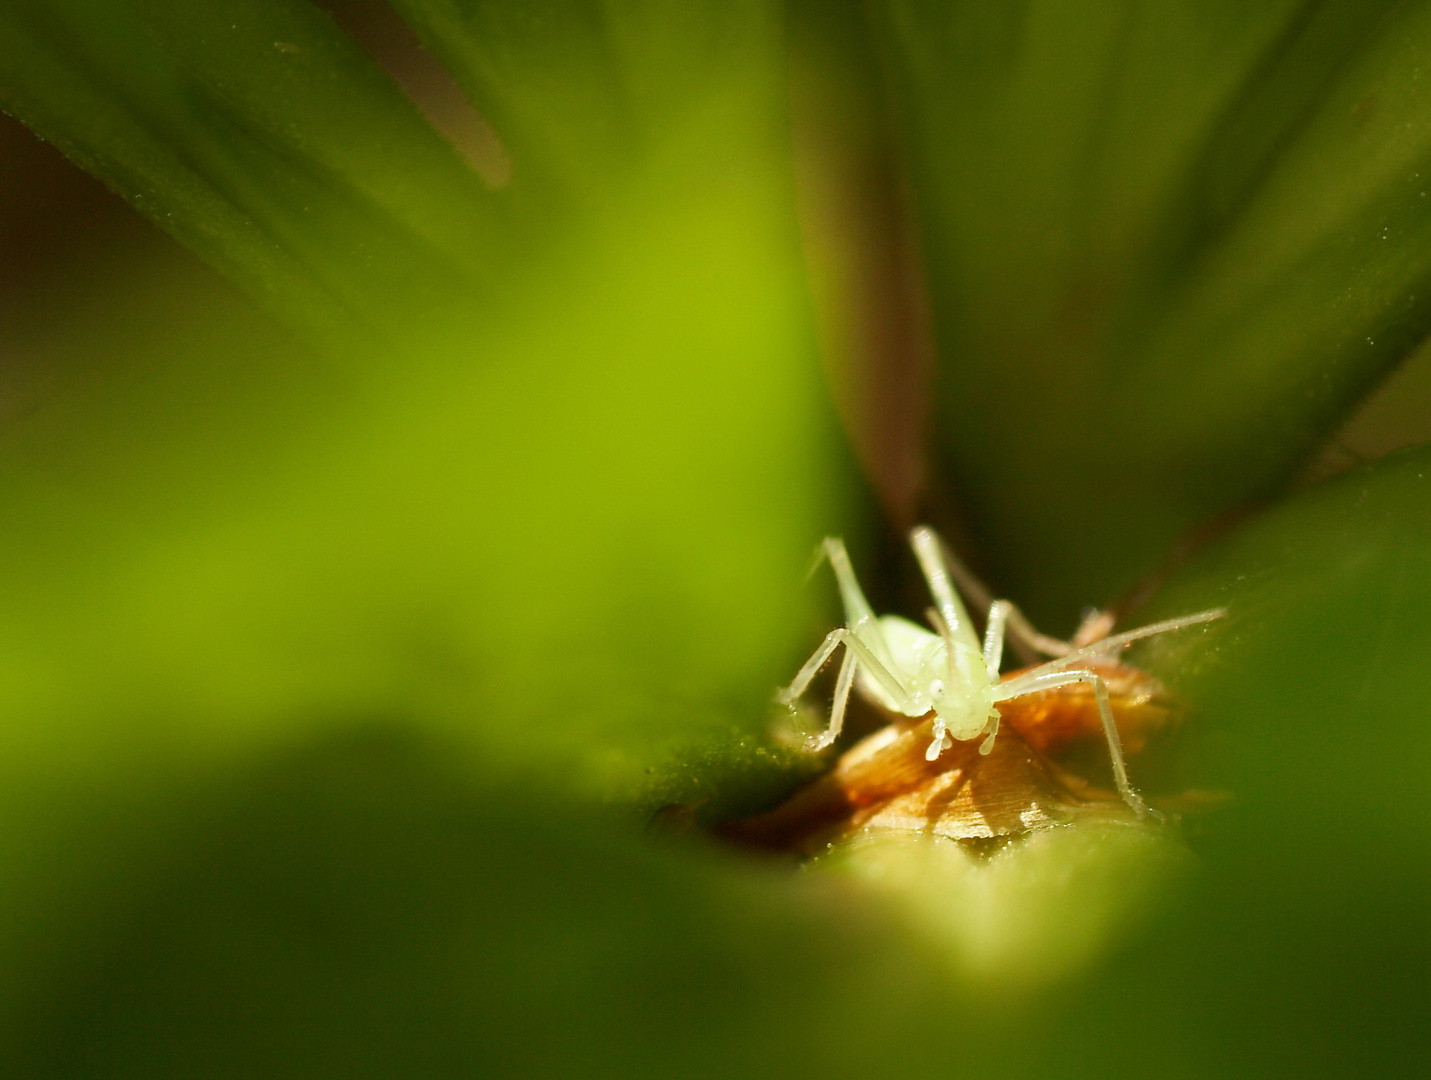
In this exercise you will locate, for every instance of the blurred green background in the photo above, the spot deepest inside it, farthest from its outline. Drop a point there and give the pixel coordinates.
(382, 555)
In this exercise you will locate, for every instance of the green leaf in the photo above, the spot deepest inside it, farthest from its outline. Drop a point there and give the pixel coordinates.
(260, 136)
(1315, 671)
(359, 899)
(361, 908)
(555, 563)
(582, 537)
(571, 520)
(1169, 246)
(586, 92)
(564, 532)
(1309, 933)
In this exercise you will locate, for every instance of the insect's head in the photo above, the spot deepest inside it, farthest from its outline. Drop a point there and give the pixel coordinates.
(959, 689)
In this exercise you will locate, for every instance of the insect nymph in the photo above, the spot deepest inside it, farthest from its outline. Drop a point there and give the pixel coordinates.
(912, 671)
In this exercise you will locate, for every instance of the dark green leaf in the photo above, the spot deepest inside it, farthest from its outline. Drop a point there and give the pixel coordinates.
(360, 908)
(1169, 244)
(259, 135)
(587, 93)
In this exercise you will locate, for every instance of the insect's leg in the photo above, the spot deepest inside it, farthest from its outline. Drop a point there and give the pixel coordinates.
(841, 635)
(974, 590)
(929, 550)
(1096, 626)
(994, 637)
(1018, 687)
(859, 616)
(792, 693)
(857, 608)
(940, 564)
(1115, 741)
(1031, 644)
(888, 681)
(837, 709)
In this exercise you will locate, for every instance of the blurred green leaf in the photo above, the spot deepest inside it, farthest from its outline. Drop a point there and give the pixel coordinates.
(260, 136)
(1306, 950)
(590, 524)
(587, 93)
(1316, 671)
(1169, 245)
(357, 906)
(581, 509)
(565, 527)
(330, 695)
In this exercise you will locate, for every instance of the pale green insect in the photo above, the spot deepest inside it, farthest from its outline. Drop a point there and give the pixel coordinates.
(912, 671)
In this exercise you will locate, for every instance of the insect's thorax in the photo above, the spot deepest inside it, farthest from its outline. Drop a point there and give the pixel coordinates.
(961, 694)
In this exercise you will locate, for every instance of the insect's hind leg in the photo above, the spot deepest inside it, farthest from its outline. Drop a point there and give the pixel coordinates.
(1020, 686)
(857, 608)
(1031, 644)
(1026, 641)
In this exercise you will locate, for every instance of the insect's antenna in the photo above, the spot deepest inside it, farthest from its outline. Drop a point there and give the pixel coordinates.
(816, 561)
(1117, 641)
(975, 591)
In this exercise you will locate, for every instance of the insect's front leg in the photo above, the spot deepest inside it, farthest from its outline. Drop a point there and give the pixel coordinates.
(857, 656)
(1052, 680)
(792, 693)
(857, 608)
(843, 683)
(796, 690)
(954, 618)
(994, 629)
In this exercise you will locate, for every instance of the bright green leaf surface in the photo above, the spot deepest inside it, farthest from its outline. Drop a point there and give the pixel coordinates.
(1169, 244)
(566, 530)
(591, 510)
(554, 521)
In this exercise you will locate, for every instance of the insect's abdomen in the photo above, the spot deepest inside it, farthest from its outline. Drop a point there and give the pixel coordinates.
(909, 649)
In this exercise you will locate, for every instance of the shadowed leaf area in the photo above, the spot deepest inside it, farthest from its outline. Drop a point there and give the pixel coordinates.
(1167, 245)
(360, 908)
